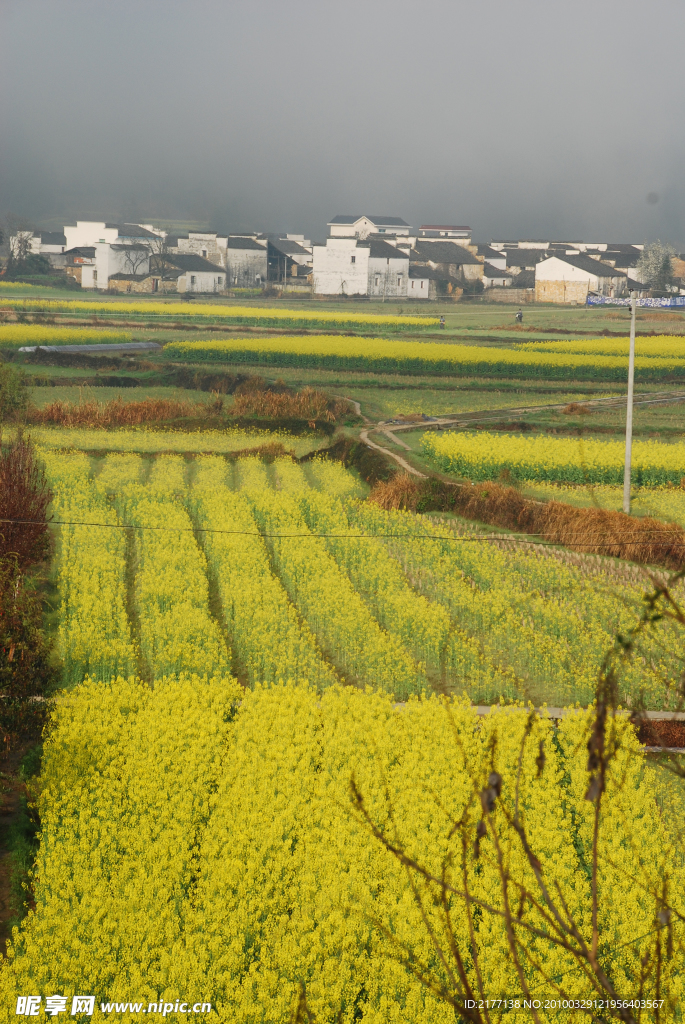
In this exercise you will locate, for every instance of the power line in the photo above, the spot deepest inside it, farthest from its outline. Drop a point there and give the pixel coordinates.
(469, 538)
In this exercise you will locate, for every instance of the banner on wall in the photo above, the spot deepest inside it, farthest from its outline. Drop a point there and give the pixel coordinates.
(672, 302)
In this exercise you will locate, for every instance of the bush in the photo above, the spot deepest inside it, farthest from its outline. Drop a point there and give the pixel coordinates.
(14, 395)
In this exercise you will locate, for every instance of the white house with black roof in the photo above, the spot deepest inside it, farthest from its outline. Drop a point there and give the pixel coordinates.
(98, 232)
(354, 266)
(197, 274)
(246, 261)
(571, 278)
(362, 225)
(495, 277)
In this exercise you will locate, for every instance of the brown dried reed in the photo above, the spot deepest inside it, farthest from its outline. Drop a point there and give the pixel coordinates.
(308, 404)
(116, 413)
(589, 530)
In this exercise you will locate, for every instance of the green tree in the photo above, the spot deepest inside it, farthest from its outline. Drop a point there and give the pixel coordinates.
(656, 266)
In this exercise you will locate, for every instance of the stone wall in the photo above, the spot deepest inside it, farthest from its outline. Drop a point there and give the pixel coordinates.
(515, 296)
(561, 291)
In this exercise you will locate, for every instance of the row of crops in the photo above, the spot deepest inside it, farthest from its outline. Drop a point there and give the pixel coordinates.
(310, 583)
(198, 837)
(597, 360)
(198, 844)
(581, 460)
(250, 316)
(407, 357)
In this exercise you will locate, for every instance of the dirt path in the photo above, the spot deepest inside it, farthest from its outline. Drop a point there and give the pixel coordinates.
(12, 789)
(463, 419)
(364, 436)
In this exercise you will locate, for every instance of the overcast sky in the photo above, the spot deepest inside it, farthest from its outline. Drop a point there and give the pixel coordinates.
(520, 118)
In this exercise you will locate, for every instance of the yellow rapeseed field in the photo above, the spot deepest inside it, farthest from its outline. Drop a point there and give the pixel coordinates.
(249, 315)
(20, 335)
(483, 456)
(663, 347)
(198, 843)
(321, 587)
(375, 354)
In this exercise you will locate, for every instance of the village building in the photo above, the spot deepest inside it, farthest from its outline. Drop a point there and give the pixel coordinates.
(355, 266)
(571, 278)
(206, 244)
(453, 261)
(42, 243)
(93, 232)
(246, 261)
(284, 255)
(196, 273)
(361, 226)
(486, 254)
(461, 232)
(425, 283)
(494, 277)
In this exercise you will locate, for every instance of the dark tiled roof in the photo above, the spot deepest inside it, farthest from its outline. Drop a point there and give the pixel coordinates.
(132, 231)
(442, 252)
(349, 218)
(127, 248)
(52, 237)
(380, 250)
(425, 273)
(622, 259)
(238, 242)
(444, 227)
(526, 279)
(484, 249)
(490, 271)
(191, 262)
(81, 250)
(524, 257)
(589, 265)
(289, 248)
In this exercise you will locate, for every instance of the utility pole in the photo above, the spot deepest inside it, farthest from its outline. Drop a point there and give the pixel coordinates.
(629, 408)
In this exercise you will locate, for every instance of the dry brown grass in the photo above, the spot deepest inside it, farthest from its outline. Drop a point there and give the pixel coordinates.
(116, 413)
(589, 530)
(576, 407)
(308, 404)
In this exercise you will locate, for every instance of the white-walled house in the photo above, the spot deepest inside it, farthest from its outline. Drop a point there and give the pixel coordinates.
(197, 274)
(422, 282)
(388, 270)
(41, 243)
(340, 267)
(96, 232)
(571, 278)
(246, 261)
(353, 266)
(495, 277)
(363, 225)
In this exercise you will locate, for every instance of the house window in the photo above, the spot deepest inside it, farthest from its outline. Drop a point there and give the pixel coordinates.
(399, 281)
(204, 253)
(192, 280)
(353, 259)
(102, 239)
(422, 284)
(378, 280)
(95, 275)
